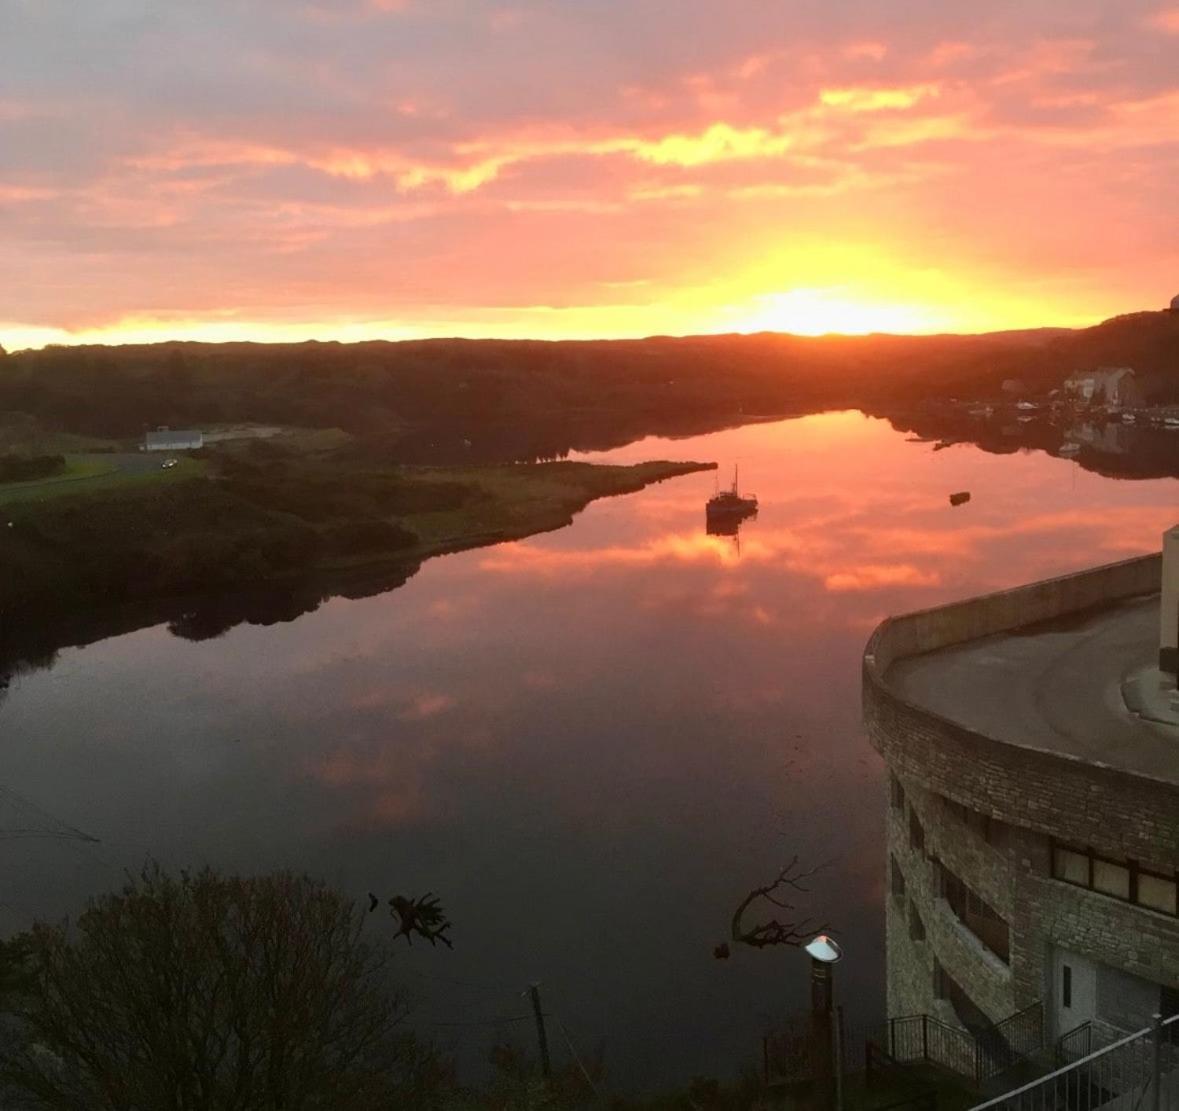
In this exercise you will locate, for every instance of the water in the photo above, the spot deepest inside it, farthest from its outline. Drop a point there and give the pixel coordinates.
(591, 743)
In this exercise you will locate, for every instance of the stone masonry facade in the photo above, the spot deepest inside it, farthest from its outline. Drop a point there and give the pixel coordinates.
(988, 813)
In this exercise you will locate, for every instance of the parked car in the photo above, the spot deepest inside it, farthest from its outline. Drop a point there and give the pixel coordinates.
(169, 463)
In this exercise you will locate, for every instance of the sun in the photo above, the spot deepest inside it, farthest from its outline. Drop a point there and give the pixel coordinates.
(821, 311)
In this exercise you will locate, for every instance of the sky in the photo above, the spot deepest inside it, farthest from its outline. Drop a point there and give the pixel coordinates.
(350, 169)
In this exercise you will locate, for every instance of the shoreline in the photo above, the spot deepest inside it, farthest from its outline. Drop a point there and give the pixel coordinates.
(30, 637)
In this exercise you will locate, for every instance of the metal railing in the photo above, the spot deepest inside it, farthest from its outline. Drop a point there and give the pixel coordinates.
(1009, 1042)
(795, 1052)
(1137, 1073)
(979, 1055)
(1074, 1045)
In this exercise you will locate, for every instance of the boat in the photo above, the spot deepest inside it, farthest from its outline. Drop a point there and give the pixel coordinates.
(960, 498)
(730, 504)
(1069, 448)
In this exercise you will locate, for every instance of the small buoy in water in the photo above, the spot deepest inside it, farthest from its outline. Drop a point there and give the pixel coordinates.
(960, 497)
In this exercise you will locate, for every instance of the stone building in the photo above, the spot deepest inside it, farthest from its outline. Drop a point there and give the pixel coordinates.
(1032, 749)
(173, 439)
(1116, 386)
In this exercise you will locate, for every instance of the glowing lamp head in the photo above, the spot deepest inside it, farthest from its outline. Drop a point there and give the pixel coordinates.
(824, 949)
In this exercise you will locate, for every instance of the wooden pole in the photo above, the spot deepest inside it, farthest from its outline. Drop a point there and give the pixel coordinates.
(541, 1039)
(837, 1030)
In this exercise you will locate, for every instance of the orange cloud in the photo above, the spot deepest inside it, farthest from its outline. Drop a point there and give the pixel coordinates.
(876, 51)
(876, 576)
(877, 99)
(717, 143)
(1166, 20)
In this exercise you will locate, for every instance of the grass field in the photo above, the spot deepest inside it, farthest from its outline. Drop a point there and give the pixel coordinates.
(87, 474)
(22, 435)
(120, 526)
(518, 500)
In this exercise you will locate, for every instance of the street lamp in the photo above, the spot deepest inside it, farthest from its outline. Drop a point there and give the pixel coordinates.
(824, 952)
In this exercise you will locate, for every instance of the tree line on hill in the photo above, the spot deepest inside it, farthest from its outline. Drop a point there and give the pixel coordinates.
(511, 399)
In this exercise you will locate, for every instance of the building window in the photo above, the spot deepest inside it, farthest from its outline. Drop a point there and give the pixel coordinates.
(991, 830)
(898, 880)
(1066, 985)
(916, 926)
(1156, 892)
(916, 833)
(896, 792)
(1072, 867)
(1147, 885)
(975, 913)
(1111, 879)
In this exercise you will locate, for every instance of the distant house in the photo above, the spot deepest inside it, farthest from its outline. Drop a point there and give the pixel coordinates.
(173, 439)
(1114, 386)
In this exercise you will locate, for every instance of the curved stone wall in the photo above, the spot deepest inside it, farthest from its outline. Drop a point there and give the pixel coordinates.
(1071, 799)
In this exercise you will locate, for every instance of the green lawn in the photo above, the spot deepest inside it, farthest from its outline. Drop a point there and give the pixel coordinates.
(86, 474)
(517, 500)
(22, 435)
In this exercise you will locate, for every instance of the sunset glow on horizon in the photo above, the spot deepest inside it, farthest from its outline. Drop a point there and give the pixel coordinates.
(358, 169)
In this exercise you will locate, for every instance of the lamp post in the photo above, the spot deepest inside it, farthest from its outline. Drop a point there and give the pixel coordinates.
(824, 952)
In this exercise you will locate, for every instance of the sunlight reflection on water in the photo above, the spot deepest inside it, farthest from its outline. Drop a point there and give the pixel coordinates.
(590, 743)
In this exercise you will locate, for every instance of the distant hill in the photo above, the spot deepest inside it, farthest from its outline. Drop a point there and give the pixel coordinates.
(525, 398)
(1146, 341)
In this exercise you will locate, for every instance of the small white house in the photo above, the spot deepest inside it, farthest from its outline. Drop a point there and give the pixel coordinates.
(1108, 385)
(173, 439)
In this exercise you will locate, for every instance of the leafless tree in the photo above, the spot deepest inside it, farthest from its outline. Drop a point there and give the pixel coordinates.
(212, 993)
(771, 931)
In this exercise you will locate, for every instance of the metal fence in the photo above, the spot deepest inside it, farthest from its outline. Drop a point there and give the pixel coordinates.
(1074, 1045)
(1007, 1043)
(800, 1050)
(1138, 1073)
(977, 1055)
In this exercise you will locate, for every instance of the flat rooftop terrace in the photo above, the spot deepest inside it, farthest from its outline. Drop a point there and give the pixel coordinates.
(1060, 686)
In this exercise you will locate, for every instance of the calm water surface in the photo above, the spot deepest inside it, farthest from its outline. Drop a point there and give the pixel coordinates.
(590, 743)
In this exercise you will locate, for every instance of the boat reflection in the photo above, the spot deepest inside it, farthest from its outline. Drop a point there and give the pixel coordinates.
(728, 524)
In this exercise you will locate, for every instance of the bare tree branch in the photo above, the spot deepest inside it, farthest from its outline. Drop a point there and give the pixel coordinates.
(773, 931)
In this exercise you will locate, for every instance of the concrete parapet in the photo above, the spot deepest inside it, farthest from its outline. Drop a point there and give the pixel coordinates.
(1065, 797)
(927, 630)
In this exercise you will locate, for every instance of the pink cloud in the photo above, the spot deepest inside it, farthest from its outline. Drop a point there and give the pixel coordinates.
(1166, 20)
(279, 164)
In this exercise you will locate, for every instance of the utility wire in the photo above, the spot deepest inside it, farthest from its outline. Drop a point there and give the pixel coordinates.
(584, 1072)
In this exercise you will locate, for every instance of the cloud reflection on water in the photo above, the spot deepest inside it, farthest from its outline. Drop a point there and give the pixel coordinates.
(591, 741)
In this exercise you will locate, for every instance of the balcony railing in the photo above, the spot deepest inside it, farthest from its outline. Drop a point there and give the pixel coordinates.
(1138, 1073)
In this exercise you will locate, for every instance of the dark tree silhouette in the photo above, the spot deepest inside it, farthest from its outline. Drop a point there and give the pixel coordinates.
(212, 992)
(423, 917)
